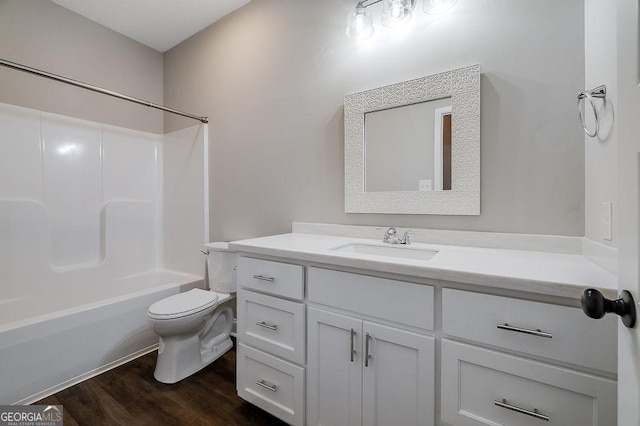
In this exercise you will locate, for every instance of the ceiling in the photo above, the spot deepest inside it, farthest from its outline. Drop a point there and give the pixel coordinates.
(159, 24)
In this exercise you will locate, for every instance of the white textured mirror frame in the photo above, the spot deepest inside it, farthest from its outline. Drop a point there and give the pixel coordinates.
(463, 86)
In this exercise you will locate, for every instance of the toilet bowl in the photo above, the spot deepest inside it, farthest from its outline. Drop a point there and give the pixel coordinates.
(194, 327)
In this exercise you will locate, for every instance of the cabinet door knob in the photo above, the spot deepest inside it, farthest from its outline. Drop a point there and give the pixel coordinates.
(595, 305)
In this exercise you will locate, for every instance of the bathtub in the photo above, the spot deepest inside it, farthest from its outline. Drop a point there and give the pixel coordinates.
(59, 338)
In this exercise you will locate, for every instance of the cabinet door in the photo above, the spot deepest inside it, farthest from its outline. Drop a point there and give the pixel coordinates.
(398, 378)
(334, 372)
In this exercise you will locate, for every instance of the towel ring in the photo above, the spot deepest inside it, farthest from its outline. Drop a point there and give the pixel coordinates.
(598, 92)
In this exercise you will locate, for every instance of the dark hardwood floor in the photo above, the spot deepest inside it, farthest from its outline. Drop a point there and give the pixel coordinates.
(129, 395)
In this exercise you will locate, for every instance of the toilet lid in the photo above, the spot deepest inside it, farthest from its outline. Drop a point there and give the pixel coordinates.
(183, 304)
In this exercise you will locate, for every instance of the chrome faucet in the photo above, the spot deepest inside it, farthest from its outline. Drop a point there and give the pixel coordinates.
(390, 236)
(405, 238)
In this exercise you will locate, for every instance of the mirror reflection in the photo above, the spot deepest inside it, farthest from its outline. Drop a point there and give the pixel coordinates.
(408, 148)
(408, 151)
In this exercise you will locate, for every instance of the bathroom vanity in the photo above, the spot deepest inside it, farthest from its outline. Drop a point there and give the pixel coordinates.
(350, 331)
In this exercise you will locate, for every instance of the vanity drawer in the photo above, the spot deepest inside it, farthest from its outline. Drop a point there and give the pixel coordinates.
(272, 324)
(475, 382)
(274, 385)
(378, 297)
(280, 279)
(558, 332)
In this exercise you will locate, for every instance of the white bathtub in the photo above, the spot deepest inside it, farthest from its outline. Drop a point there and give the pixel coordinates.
(60, 337)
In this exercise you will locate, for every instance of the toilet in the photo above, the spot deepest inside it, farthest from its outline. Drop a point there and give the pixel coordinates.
(194, 327)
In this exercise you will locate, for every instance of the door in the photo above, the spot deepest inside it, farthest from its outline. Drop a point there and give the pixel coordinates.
(628, 119)
(398, 377)
(334, 369)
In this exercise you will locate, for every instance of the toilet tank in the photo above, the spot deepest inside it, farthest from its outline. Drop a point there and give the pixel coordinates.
(221, 265)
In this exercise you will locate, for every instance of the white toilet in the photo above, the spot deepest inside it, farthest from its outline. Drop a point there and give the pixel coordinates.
(193, 327)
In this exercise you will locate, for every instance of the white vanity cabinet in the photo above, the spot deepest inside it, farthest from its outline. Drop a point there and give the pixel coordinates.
(360, 371)
(483, 386)
(319, 346)
(271, 337)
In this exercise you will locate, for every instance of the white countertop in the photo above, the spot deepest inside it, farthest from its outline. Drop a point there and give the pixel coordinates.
(554, 274)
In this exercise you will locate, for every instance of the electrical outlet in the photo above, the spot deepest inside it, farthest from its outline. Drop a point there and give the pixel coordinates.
(606, 220)
(425, 185)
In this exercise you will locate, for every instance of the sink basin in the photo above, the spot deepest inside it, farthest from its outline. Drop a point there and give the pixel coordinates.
(399, 252)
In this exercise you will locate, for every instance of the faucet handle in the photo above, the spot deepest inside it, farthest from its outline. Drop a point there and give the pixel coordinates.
(405, 238)
(390, 236)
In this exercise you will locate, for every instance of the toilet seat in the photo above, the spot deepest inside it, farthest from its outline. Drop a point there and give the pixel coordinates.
(183, 304)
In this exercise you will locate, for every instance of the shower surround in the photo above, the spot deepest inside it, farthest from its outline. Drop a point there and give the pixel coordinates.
(96, 223)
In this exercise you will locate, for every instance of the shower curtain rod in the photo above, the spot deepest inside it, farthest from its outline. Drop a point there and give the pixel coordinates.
(91, 87)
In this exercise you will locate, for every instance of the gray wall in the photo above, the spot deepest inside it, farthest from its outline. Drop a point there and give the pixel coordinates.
(43, 35)
(601, 153)
(273, 74)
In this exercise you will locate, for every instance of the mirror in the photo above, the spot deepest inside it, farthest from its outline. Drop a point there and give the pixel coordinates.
(414, 147)
(416, 136)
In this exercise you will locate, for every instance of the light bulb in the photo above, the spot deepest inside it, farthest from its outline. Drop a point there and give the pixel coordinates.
(396, 12)
(359, 24)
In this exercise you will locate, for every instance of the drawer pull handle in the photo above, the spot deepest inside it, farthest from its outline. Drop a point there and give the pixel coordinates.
(537, 332)
(263, 278)
(267, 386)
(267, 325)
(367, 353)
(534, 413)
(352, 337)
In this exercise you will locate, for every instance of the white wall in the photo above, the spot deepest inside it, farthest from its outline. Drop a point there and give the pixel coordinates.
(601, 153)
(272, 77)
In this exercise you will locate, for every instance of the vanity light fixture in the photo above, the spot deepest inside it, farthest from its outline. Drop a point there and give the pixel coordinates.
(435, 7)
(394, 13)
(359, 22)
